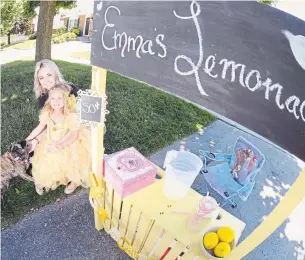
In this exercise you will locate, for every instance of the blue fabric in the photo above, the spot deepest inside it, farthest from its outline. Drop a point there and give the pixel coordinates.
(246, 190)
(221, 180)
(234, 173)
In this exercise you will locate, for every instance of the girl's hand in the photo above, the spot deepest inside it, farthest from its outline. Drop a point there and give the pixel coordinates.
(52, 148)
(32, 144)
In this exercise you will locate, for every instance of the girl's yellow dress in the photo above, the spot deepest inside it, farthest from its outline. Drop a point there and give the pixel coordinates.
(72, 163)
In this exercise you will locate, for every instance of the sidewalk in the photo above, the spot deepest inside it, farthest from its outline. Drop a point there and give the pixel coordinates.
(59, 51)
(65, 230)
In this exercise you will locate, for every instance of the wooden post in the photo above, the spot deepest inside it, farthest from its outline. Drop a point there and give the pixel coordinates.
(97, 136)
(282, 211)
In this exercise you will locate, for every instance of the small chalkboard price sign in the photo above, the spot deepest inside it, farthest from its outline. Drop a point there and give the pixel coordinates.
(91, 108)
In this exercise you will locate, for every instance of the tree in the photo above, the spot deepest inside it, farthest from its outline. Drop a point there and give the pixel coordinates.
(47, 11)
(268, 2)
(21, 26)
(12, 17)
(44, 30)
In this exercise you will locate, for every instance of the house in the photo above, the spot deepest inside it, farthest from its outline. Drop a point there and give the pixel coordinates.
(81, 17)
(56, 22)
(83, 21)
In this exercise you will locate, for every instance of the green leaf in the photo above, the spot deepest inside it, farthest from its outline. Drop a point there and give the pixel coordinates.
(17, 191)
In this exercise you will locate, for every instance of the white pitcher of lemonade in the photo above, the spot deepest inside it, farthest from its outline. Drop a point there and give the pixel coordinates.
(181, 169)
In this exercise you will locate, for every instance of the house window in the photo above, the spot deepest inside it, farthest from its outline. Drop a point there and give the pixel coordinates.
(73, 23)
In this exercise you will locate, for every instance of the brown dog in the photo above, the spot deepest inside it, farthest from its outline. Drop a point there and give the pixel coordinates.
(15, 163)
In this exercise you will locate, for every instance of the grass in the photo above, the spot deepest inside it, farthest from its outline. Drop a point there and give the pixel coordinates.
(29, 44)
(85, 55)
(140, 116)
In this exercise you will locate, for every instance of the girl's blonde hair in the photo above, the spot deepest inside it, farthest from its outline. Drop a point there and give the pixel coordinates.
(61, 88)
(38, 89)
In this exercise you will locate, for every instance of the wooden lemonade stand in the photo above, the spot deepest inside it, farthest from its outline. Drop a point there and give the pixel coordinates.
(152, 205)
(143, 225)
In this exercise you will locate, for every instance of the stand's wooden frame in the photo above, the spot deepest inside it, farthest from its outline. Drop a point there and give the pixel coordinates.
(99, 77)
(292, 199)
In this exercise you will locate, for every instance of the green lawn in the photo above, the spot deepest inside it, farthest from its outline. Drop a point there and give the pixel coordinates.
(85, 55)
(140, 116)
(29, 44)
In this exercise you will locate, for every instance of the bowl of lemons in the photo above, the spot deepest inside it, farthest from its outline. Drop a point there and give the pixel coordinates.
(218, 242)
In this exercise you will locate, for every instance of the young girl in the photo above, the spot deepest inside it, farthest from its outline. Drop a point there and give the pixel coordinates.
(63, 154)
(46, 76)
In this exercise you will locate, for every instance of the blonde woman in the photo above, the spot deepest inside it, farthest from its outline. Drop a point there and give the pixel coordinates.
(62, 157)
(46, 76)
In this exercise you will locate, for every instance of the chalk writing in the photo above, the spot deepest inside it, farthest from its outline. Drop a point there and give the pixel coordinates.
(258, 80)
(196, 67)
(269, 88)
(127, 43)
(292, 103)
(250, 79)
(295, 101)
(207, 68)
(302, 110)
(234, 66)
(90, 108)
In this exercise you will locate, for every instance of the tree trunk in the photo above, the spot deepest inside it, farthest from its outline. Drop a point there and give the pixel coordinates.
(8, 38)
(44, 29)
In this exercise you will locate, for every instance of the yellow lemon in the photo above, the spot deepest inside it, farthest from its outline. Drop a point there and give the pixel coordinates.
(210, 240)
(222, 249)
(226, 234)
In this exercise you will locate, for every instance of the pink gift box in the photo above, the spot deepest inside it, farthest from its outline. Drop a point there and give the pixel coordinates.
(129, 171)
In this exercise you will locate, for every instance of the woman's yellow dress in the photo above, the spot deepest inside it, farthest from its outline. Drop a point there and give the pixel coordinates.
(72, 163)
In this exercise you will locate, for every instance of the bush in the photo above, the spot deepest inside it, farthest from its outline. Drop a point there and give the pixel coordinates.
(75, 30)
(61, 31)
(71, 36)
(3, 43)
(28, 28)
(64, 37)
(33, 36)
(58, 39)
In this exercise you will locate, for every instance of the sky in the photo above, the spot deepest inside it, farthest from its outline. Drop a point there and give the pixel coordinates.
(294, 7)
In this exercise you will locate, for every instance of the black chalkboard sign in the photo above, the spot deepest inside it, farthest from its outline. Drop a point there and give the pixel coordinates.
(243, 60)
(90, 109)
